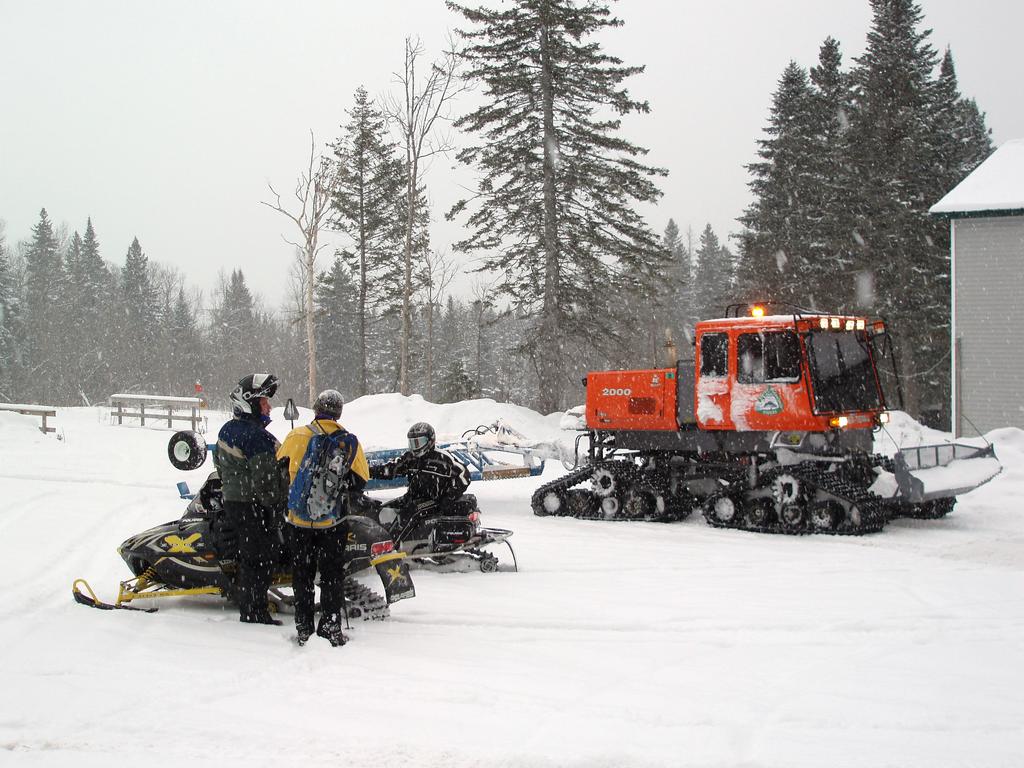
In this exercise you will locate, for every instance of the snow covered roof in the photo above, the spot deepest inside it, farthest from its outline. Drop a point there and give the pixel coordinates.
(993, 188)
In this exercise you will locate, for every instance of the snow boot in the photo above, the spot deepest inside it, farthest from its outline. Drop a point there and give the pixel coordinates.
(303, 633)
(259, 617)
(337, 639)
(332, 633)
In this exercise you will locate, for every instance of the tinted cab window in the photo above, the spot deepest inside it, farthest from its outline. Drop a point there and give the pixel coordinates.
(771, 356)
(714, 355)
(842, 372)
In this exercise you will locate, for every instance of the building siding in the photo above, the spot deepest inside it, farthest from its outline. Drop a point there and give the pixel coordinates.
(989, 285)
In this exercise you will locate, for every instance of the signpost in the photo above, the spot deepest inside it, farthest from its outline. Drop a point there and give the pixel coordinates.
(291, 412)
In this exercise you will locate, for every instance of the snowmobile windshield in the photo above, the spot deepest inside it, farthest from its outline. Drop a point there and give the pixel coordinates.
(842, 372)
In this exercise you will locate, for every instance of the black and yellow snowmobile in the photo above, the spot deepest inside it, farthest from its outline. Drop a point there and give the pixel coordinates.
(195, 555)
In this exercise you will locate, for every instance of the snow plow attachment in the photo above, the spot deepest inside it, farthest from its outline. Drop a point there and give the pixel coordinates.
(932, 472)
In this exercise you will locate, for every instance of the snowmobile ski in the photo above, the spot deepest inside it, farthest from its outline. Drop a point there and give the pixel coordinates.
(84, 595)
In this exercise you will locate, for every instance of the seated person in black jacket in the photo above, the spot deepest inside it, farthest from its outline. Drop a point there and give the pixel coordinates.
(436, 479)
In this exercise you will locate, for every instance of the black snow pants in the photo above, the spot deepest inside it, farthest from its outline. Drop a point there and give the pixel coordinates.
(258, 550)
(320, 549)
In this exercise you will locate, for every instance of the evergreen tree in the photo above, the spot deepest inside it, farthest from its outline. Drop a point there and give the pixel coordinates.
(72, 334)
(831, 244)
(234, 333)
(456, 383)
(44, 272)
(681, 278)
(965, 141)
(713, 278)
(895, 143)
(556, 215)
(370, 184)
(341, 356)
(139, 333)
(778, 252)
(94, 314)
(184, 347)
(9, 348)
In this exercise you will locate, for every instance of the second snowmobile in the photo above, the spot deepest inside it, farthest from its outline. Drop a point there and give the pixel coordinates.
(452, 540)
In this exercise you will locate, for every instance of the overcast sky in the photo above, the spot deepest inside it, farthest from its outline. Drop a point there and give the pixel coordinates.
(167, 120)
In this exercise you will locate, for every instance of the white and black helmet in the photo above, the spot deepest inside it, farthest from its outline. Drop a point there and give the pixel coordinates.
(421, 438)
(252, 388)
(329, 403)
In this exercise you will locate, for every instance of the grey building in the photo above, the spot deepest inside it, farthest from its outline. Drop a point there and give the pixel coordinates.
(986, 219)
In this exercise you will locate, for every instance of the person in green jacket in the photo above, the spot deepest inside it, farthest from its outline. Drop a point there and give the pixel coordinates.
(255, 490)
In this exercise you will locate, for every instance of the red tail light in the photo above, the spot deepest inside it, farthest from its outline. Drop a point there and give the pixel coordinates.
(381, 547)
(474, 516)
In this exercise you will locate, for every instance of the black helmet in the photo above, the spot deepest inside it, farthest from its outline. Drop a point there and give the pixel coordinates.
(421, 438)
(252, 387)
(329, 403)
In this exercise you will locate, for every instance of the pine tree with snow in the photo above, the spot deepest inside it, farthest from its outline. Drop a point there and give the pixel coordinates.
(184, 346)
(965, 140)
(140, 318)
(44, 277)
(10, 352)
(72, 333)
(714, 276)
(832, 246)
(367, 207)
(341, 356)
(234, 333)
(555, 211)
(94, 286)
(680, 312)
(456, 384)
(778, 253)
(895, 143)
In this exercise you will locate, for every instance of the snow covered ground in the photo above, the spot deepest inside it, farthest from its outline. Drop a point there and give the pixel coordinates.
(617, 644)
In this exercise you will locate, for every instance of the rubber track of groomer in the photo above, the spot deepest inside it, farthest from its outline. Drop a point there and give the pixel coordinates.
(593, 511)
(873, 512)
(872, 509)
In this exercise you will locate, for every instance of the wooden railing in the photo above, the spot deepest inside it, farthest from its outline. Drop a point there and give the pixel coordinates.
(157, 408)
(46, 411)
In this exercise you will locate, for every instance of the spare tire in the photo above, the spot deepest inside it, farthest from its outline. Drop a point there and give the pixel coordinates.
(187, 450)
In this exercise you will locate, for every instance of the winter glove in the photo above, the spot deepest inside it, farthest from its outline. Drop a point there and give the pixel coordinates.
(404, 463)
(381, 471)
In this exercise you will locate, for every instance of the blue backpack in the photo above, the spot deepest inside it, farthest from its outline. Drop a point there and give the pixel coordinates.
(316, 497)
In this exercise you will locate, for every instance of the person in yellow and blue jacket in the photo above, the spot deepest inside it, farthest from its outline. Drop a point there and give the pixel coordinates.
(316, 506)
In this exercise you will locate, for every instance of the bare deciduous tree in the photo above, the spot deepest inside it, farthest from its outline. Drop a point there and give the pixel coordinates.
(483, 300)
(417, 112)
(313, 193)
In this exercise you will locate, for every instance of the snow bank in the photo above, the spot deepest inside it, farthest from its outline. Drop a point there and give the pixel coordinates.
(903, 431)
(20, 426)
